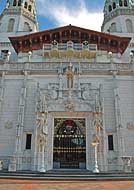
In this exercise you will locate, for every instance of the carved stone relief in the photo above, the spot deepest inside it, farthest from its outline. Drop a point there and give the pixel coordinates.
(70, 99)
(53, 94)
(69, 105)
(130, 126)
(8, 125)
(112, 160)
(89, 92)
(86, 95)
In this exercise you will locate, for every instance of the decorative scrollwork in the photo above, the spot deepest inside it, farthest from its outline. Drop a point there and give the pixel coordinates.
(69, 105)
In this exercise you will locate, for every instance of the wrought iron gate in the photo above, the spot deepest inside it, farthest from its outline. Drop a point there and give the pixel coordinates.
(69, 145)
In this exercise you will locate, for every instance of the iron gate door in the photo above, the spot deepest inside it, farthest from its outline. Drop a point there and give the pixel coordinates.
(69, 145)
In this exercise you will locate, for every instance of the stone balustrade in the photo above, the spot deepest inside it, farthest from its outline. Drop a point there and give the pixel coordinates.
(54, 66)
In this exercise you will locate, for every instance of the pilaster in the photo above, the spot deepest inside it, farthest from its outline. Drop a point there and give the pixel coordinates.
(2, 82)
(119, 127)
(20, 125)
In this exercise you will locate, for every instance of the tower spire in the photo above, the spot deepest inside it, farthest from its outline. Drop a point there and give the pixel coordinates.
(19, 16)
(119, 20)
(118, 17)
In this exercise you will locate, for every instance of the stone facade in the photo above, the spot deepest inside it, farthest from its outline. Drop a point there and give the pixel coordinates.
(35, 91)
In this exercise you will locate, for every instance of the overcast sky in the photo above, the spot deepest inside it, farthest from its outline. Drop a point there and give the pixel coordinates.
(54, 13)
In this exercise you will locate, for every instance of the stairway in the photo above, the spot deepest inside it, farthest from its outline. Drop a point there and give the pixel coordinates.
(83, 175)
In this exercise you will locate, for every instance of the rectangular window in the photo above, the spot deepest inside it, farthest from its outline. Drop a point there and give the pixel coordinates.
(28, 141)
(4, 54)
(110, 142)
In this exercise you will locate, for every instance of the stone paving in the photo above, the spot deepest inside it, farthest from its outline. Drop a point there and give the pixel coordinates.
(65, 185)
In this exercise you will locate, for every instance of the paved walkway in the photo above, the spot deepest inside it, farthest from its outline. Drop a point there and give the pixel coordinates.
(65, 185)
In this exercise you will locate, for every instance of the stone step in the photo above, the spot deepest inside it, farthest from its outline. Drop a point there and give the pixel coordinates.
(67, 175)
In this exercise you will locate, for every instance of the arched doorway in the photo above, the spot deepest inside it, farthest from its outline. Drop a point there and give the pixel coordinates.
(69, 143)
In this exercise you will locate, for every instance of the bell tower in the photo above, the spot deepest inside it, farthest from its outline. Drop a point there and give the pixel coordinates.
(19, 17)
(119, 17)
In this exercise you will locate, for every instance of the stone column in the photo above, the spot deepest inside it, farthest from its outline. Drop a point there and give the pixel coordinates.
(98, 127)
(60, 85)
(42, 161)
(95, 145)
(42, 144)
(42, 129)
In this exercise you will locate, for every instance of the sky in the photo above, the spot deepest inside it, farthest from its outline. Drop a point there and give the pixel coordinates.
(56, 13)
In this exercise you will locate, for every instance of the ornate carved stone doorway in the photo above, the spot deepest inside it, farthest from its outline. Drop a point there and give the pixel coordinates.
(69, 143)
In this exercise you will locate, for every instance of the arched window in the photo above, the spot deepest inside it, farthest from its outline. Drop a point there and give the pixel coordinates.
(110, 8)
(30, 8)
(19, 3)
(10, 25)
(113, 27)
(120, 3)
(125, 3)
(25, 5)
(14, 2)
(114, 5)
(26, 27)
(129, 26)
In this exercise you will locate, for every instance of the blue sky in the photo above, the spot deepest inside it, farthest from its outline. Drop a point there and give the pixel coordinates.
(55, 13)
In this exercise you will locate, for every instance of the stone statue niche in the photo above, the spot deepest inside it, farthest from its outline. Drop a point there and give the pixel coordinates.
(42, 114)
(42, 128)
(70, 76)
(41, 139)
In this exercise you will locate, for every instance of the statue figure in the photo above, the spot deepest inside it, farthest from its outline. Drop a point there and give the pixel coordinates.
(42, 126)
(42, 115)
(70, 76)
(38, 99)
(41, 104)
(42, 138)
(42, 122)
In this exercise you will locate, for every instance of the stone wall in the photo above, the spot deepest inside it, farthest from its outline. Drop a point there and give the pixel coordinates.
(121, 129)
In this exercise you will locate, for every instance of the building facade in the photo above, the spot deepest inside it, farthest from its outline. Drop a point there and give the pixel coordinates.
(66, 94)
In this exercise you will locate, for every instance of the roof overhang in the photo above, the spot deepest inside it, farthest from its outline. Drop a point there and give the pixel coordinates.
(104, 41)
